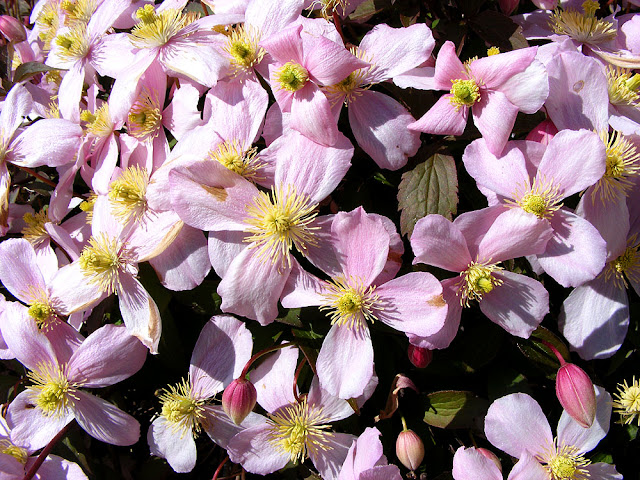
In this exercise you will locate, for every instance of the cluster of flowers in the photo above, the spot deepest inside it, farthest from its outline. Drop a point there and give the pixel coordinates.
(207, 80)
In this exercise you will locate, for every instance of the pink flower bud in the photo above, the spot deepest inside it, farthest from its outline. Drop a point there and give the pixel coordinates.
(410, 449)
(238, 399)
(508, 6)
(543, 132)
(575, 392)
(12, 29)
(491, 456)
(420, 357)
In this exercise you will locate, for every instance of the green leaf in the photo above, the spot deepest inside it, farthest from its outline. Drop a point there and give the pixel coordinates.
(538, 352)
(455, 409)
(431, 187)
(30, 69)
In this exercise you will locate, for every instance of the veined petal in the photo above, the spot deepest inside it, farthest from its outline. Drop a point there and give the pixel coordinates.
(178, 448)
(52, 142)
(272, 379)
(494, 115)
(139, 312)
(16, 105)
(311, 115)
(19, 271)
(328, 62)
(494, 70)
(448, 66)
(470, 464)
(442, 119)
(254, 450)
(437, 241)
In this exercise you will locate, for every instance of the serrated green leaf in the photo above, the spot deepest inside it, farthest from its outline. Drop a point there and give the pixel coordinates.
(455, 409)
(29, 69)
(431, 187)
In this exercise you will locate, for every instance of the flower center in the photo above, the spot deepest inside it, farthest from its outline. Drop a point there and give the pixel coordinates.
(292, 76)
(98, 123)
(41, 312)
(299, 430)
(356, 82)
(624, 86)
(235, 158)
(16, 452)
(52, 391)
(243, 49)
(627, 264)
(180, 409)
(350, 302)
(74, 45)
(565, 463)
(583, 27)
(464, 92)
(78, 11)
(477, 280)
(145, 116)
(627, 401)
(156, 29)
(541, 199)
(127, 194)
(48, 22)
(279, 221)
(104, 260)
(623, 162)
(34, 230)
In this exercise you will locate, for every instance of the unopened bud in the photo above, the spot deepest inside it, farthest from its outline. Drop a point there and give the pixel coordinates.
(543, 132)
(410, 449)
(491, 456)
(238, 399)
(419, 357)
(508, 6)
(12, 29)
(576, 394)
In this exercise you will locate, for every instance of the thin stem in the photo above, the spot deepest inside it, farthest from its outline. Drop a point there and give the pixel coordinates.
(219, 469)
(246, 368)
(38, 176)
(45, 452)
(295, 379)
(338, 24)
(404, 424)
(555, 351)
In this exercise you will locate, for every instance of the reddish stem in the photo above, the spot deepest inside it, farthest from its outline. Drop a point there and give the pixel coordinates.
(45, 452)
(555, 351)
(338, 24)
(219, 469)
(38, 176)
(295, 378)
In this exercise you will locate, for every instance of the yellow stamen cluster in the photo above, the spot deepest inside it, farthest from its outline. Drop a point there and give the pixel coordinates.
(565, 463)
(350, 302)
(234, 157)
(53, 111)
(626, 265)
(280, 221)
(78, 11)
(34, 230)
(48, 23)
(624, 86)
(292, 76)
(243, 49)
(52, 392)
(41, 312)
(180, 409)
(623, 163)
(542, 198)
(355, 83)
(327, 7)
(74, 45)
(583, 26)
(145, 116)
(464, 92)
(103, 260)
(16, 452)
(493, 51)
(156, 29)
(87, 206)
(626, 402)
(477, 280)
(99, 122)
(299, 430)
(127, 194)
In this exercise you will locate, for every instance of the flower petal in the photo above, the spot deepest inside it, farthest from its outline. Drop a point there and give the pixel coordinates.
(177, 447)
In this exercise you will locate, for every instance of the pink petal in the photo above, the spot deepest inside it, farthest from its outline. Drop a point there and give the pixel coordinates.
(335, 408)
(197, 61)
(104, 421)
(302, 289)
(328, 62)
(494, 70)
(72, 291)
(518, 305)
(221, 428)
(285, 46)
(52, 142)
(109, 355)
(19, 271)
(56, 468)
(529, 89)
(329, 461)
(595, 318)
(177, 447)
(270, 16)
(223, 248)
(396, 250)
(273, 379)
(17, 104)
(442, 119)
(572, 433)
(470, 464)
(381, 472)
(311, 115)
(139, 312)
(252, 286)
(379, 124)
(576, 253)
(413, 304)
(70, 92)
(515, 423)
(603, 471)
(448, 67)
(495, 115)
(583, 161)
(253, 448)
(223, 348)
(610, 218)
(528, 468)
(437, 241)
(345, 361)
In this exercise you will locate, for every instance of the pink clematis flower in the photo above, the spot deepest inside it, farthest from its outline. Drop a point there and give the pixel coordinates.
(303, 63)
(297, 426)
(474, 245)
(16, 461)
(516, 425)
(354, 253)
(365, 460)
(471, 464)
(533, 179)
(222, 349)
(108, 356)
(496, 88)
